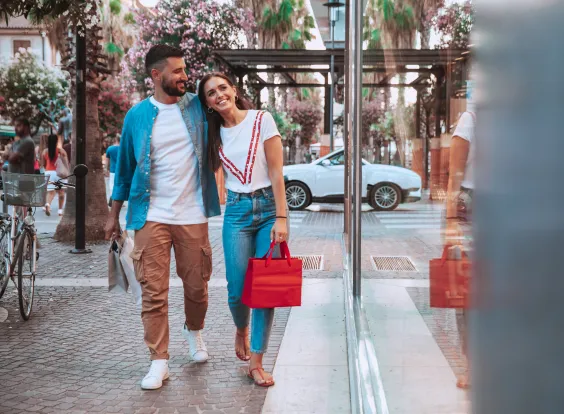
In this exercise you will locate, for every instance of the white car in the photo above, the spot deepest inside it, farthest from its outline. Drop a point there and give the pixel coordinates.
(384, 187)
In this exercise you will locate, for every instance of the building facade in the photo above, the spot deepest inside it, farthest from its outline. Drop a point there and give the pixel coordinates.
(18, 33)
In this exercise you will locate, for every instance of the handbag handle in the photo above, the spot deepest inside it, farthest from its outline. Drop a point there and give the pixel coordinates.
(463, 253)
(284, 252)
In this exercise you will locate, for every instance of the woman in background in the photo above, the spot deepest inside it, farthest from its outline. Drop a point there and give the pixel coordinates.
(48, 161)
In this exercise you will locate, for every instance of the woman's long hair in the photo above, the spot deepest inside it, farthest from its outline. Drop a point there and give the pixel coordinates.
(215, 120)
(52, 142)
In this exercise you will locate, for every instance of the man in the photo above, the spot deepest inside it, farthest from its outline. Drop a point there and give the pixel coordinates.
(162, 170)
(21, 158)
(111, 161)
(64, 127)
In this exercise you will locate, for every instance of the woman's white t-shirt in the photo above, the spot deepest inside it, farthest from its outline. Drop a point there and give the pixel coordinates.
(242, 152)
(465, 130)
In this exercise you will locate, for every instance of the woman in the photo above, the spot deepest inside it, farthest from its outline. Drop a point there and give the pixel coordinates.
(248, 145)
(459, 210)
(48, 161)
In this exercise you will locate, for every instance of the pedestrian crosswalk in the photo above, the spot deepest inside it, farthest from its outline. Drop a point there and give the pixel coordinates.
(296, 218)
(429, 220)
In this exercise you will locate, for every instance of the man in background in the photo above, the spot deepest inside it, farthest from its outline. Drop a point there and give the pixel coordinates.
(111, 162)
(21, 158)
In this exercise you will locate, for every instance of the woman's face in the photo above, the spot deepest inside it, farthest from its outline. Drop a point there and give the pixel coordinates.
(220, 95)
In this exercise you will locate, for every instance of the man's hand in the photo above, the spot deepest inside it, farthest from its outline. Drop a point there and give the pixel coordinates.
(112, 228)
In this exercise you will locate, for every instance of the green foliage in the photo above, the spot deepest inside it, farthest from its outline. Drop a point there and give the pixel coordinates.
(111, 49)
(284, 124)
(115, 7)
(282, 24)
(129, 18)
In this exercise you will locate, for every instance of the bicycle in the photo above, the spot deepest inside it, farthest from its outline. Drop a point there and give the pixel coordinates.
(18, 236)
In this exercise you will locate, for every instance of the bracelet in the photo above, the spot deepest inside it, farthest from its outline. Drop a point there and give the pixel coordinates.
(284, 217)
(451, 218)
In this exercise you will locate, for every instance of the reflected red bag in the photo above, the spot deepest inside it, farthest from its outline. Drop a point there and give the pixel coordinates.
(273, 283)
(449, 281)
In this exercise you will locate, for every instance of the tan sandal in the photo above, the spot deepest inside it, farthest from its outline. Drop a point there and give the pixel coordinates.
(264, 382)
(242, 357)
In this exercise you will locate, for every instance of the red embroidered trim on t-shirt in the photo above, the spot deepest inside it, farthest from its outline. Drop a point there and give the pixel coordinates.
(251, 155)
(257, 140)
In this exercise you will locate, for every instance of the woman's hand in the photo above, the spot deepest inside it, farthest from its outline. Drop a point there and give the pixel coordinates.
(279, 232)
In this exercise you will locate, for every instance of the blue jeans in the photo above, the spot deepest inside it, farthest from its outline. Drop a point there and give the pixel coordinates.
(247, 223)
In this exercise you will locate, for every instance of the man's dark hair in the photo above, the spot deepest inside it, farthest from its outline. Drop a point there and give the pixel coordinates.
(23, 120)
(157, 56)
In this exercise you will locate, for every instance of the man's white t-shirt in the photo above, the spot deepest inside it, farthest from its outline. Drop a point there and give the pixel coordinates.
(242, 152)
(465, 130)
(176, 193)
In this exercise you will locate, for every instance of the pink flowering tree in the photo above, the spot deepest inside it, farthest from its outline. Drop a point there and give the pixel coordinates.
(454, 24)
(113, 104)
(308, 115)
(197, 27)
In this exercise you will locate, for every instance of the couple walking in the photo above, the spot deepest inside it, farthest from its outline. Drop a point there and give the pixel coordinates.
(171, 145)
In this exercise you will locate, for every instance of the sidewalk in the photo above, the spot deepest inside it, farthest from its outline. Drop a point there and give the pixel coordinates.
(83, 351)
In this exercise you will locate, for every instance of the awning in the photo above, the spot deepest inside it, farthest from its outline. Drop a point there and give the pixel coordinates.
(7, 131)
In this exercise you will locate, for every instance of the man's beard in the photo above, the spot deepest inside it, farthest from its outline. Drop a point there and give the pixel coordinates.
(171, 88)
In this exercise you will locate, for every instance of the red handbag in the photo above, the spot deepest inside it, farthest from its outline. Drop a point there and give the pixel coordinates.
(449, 281)
(272, 282)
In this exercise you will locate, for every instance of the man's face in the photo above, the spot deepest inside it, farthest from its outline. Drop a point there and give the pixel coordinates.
(173, 77)
(21, 130)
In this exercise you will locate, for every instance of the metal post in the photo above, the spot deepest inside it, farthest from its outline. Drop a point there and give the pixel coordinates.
(332, 88)
(356, 153)
(346, 143)
(516, 339)
(326, 110)
(80, 238)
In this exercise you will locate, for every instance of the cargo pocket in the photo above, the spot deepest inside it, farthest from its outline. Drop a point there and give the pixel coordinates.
(137, 255)
(206, 263)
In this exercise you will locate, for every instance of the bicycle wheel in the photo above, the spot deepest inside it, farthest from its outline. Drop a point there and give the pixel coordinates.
(4, 260)
(26, 276)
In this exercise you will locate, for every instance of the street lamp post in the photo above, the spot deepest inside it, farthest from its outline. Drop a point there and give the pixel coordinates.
(333, 8)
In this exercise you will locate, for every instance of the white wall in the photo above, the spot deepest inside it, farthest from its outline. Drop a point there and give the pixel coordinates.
(7, 47)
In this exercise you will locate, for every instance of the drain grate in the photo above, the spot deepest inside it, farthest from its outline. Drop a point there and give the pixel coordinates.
(311, 262)
(394, 263)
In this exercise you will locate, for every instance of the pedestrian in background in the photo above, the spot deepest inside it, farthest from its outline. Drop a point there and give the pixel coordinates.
(248, 145)
(111, 162)
(172, 192)
(48, 161)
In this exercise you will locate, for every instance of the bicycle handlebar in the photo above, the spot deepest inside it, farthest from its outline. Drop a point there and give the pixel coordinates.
(60, 184)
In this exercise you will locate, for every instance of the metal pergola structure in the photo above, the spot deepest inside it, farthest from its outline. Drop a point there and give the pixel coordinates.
(286, 63)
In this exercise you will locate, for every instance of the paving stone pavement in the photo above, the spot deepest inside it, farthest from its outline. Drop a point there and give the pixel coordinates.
(83, 352)
(442, 324)
(60, 360)
(319, 233)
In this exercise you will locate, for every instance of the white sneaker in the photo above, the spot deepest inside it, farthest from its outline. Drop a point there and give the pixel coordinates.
(157, 374)
(198, 350)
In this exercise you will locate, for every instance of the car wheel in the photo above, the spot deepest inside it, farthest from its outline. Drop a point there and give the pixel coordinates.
(297, 196)
(385, 197)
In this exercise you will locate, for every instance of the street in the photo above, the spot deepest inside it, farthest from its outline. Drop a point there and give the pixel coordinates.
(83, 351)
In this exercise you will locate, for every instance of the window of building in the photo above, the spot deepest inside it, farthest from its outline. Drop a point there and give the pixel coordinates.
(21, 43)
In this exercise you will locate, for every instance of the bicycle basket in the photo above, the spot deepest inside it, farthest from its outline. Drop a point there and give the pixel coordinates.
(28, 190)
